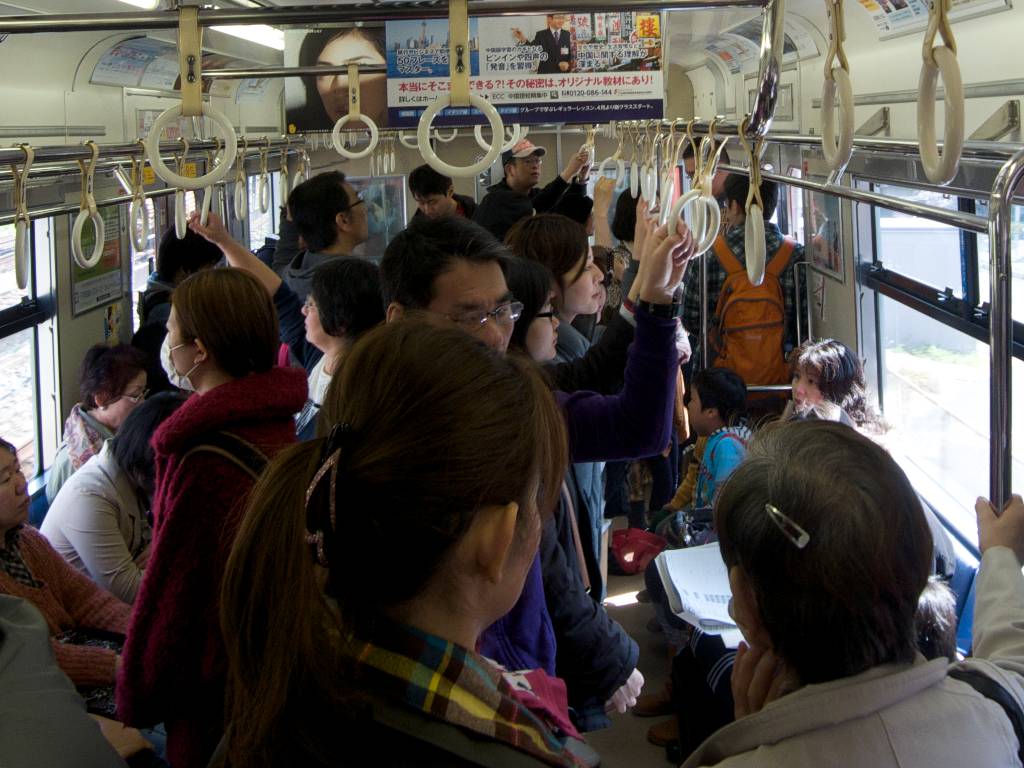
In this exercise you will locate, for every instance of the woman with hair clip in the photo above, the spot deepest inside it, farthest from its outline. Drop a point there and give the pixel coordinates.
(369, 563)
(222, 343)
(831, 672)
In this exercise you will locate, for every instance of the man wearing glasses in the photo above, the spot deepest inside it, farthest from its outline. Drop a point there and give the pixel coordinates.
(327, 215)
(517, 195)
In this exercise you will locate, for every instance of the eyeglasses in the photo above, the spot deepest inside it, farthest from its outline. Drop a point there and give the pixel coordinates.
(309, 305)
(506, 314)
(550, 315)
(137, 397)
(531, 160)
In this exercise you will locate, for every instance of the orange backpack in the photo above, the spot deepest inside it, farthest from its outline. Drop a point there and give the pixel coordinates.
(750, 321)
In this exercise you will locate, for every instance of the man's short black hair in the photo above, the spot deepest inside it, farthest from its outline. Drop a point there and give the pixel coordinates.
(314, 204)
(688, 153)
(131, 445)
(724, 390)
(347, 296)
(624, 221)
(424, 180)
(425, 249)
(737, 185)
(190, 254)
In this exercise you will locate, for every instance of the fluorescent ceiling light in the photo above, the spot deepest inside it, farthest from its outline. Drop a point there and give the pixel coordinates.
(261, 34)
(148, 5)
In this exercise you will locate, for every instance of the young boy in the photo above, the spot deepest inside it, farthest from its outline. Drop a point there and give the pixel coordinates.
(717, 400)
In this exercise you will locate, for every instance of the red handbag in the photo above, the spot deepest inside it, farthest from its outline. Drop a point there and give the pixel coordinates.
(634, 548)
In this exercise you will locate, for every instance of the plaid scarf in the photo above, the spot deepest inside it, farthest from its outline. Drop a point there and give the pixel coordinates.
(457, 686)
(12, 562)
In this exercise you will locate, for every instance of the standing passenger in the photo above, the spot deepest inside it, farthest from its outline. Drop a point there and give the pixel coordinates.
(221, 342)
(435, 195)
(370, 562)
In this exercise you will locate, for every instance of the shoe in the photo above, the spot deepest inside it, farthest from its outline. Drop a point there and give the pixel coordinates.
(664, 733)
(643, 596)
(653, 625)
(654, 704)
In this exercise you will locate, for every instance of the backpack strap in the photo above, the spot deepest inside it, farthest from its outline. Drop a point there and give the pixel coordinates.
(235, 449)
(993, 691)
(729, 261)
(781, 258)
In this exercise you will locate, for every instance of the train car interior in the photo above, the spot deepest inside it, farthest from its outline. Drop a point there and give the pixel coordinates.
(890, 129)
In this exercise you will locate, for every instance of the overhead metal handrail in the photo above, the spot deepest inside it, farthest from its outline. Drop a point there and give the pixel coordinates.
(1001, 330)
(315, 70)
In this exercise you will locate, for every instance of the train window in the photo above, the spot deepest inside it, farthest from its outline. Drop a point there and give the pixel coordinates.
(922, 249)
(17, 391)
(263, 224)
(144, 262)
(1016, 261)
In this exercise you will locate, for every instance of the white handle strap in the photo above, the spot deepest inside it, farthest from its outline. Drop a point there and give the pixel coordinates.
(754, 245)
(22, 221)
(180, 216)
(407, 142)
(263, 186)
(354, 114)
(634, 178)
(88, 212)
(705, 217)
(836, 149)
(302, 171)
(936, 61)
(438, 136)
(137, 218)
(285, 178)
(511, 137)
(241, 192)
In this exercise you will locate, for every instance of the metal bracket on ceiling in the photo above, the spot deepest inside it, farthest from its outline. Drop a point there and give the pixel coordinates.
(876, 125)
(1003, 124)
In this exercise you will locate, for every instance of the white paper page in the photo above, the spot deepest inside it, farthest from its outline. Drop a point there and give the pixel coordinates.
(701, 583)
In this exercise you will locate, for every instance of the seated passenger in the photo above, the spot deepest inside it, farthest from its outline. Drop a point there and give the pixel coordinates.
(561, 245)
(72, 605)
(175, 260)
(44, 720)
(328, 215)
(435, 195)
(827, 602)
(828, 371)
(99, 520)
(369, 563)
(222, 339)
(112, 382)
(344, 301)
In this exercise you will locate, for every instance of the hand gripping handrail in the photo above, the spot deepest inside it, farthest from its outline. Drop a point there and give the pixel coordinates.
(669, 165)
(22, 222)
(511, 137)
(137, 218)
(754, 245)
(241, 196)
(354, 115)
(940, 60)
(264, 183)
(190, 58)
(458, 96)
(88, 212)
(837, 149)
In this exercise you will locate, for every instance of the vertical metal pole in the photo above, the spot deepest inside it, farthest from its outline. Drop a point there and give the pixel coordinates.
(1001, 329)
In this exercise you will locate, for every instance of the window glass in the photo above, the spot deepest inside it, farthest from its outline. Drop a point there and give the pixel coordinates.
(924, 250)
(1016, 260)
(144, 261)
(262, 224)
(18, 393)
(936, 399)
(9, 294)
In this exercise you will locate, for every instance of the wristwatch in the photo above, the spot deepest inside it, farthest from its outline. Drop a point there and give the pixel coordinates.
(666, 311)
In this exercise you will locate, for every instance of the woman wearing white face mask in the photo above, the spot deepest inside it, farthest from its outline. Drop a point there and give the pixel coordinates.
(222, 340)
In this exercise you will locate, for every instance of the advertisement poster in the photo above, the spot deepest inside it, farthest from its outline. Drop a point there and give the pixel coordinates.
(534, 68)
(895, 17)
(99, 285)
(740, 48)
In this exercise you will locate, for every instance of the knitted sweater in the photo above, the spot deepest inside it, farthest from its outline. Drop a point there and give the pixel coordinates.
(174, 664)
(69, 600)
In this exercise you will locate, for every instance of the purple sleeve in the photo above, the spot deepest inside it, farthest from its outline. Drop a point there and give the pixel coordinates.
(637, 422)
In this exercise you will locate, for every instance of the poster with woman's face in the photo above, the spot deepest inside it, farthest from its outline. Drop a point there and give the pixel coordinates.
(316, 103)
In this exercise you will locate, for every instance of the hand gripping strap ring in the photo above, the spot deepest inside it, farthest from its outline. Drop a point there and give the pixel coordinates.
(88, 212)
(423, 137)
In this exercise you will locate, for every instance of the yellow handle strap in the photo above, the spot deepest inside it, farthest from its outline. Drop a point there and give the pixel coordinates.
(938, 23)
(836, 38)
(264, 156)
(190, 61)
(88, 200)
(458, 52)
(20, 186)
(754, 192)
(240, 164)
(353, 92)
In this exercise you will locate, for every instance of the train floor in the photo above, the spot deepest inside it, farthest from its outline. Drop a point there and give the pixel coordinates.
(625, 744)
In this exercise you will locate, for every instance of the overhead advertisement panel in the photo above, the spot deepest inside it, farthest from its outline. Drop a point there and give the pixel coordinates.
(575, 68)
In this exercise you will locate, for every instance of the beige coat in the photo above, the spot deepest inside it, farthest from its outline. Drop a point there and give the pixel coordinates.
(897, 716)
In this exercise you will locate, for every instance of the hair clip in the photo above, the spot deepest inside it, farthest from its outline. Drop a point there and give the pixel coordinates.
(794, 532)
(332, 451)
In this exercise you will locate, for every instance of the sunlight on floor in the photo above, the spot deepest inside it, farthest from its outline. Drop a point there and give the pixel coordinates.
(622, 599)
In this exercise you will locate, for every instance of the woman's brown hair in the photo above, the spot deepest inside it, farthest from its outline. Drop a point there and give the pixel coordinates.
(231, 313)
(845, 602)
(553, 240)
(436, 428)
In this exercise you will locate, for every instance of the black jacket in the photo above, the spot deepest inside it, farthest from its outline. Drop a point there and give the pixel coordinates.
(556, 50)
(468, 206)
(502, 206)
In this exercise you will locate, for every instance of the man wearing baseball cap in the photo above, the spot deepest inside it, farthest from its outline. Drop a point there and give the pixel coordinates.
(517, 196)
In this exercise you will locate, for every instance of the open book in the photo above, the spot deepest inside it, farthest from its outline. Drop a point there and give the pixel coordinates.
(697, 585)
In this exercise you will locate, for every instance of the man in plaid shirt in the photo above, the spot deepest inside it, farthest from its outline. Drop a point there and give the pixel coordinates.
(734, 216)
